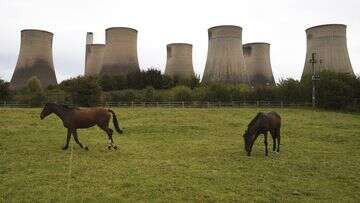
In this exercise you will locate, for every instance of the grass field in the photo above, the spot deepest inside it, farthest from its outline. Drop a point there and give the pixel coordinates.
(181, 155)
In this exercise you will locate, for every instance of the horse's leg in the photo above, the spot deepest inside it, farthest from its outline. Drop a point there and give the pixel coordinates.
(278, 139)
(109, 132)
(77, 140)
(266, 143)
(273, 136)
(67, 140)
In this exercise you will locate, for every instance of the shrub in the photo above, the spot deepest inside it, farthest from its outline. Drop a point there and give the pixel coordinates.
(148, 93)
(290, 90)
(83, 91)
(181, 93)
(218, 92)
(32, 94)
(5, 92)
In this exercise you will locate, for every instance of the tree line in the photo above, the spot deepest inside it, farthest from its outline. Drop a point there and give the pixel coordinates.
(338, 91)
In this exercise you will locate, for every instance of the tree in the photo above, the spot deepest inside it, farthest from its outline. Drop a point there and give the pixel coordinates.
(5, 92)
(333, 90)
(34, 84)
(182, 93)
(32, 94)
(290, 90)
(83, 90)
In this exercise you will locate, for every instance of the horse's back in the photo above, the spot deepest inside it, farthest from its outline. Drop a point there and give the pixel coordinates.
(275, 119)
(92, 113)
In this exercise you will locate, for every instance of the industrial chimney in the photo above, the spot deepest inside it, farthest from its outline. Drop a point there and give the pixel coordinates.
(257, 61)
(179, 61)
(89, 38)
(120, 57)
(225, 59)
(329, 44)
(35, 59)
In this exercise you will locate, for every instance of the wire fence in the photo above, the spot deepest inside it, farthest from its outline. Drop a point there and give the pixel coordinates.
(181, 104)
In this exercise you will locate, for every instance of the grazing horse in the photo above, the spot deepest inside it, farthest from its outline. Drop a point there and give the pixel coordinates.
(262, 124)
(75, 118)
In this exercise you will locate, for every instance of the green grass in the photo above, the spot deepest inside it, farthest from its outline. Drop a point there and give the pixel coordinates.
(181, 155)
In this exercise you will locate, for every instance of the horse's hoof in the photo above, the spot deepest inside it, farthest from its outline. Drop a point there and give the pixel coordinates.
(115, 147)
(109, 147)
(64, 148)
(86, 148)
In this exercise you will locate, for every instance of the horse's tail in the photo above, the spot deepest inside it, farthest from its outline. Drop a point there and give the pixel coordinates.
(115, 121)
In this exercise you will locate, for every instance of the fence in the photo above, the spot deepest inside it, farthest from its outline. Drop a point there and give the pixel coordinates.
(192, 104)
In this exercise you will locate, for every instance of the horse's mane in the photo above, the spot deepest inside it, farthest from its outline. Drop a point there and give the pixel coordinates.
(254, 119)
(69, 107)
(64, 106)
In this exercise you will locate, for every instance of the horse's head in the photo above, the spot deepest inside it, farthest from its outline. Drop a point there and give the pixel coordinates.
(248, 141)
(47, 110)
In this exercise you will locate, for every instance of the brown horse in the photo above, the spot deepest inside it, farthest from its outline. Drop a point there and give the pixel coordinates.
(262, 124)
(75, 118)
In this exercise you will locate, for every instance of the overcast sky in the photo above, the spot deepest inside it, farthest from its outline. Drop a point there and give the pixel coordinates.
(280, 22)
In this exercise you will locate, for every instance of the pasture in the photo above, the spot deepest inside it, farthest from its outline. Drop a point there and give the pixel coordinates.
(172, 155)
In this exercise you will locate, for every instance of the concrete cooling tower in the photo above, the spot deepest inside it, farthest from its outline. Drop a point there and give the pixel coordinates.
(179, 60)
(328, 42)
(35, 59)
(120, 57)
(94, 59)
(93, 56)
(258, 66)
(225, 59)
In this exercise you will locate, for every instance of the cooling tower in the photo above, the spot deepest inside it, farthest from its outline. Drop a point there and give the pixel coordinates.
(225, 60)
(35, 59)
(257, 61)
(94, 59)
(120, 57)
(329, 44)
(179, 60)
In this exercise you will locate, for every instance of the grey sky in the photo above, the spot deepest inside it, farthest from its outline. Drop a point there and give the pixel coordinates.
(280, 22)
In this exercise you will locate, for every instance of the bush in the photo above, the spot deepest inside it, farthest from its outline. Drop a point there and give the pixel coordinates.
(334, 90)
(290, 90)
(5, 92)
(218, 92)
(82, 91)
(337, 90)
(32, 94)
(181, 93)
(142, 79)
(149, 94)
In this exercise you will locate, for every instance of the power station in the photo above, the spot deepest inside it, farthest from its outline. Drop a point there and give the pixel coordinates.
(35, 59)
(258, 65)
(225, 60)
(329, 44)
(94, 56)
(120, 56)
(179, 61)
